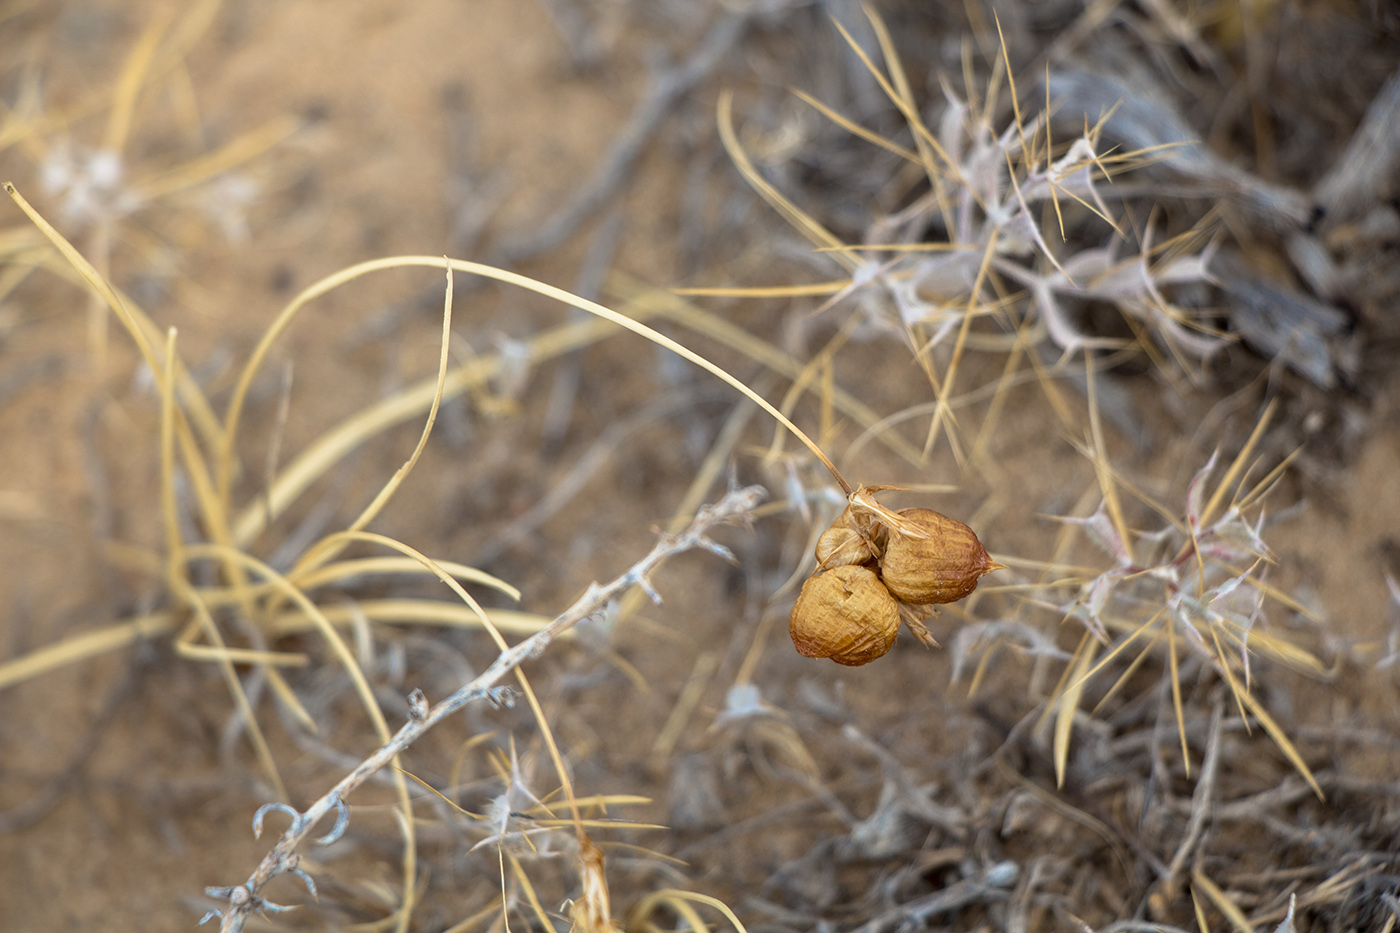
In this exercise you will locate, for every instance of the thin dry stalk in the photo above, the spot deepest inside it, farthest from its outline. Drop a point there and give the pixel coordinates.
(1202, 804)
(244, 899)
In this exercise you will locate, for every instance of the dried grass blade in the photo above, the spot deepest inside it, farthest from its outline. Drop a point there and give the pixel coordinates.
(1237, 465)
(818, 366)
(1220, 900)
(284, 692)
(410, 612)
(1102, 468)
(906, 102)
(675, 899)
(959, 345)
(1201, 923)
(182, 590)
(855, 129)
(1128, 672)
(1285, 599)
(170, 517)
(1174, 669)
(1222, 662)
(1281, 649)
(524, 880)
(810, 290)
(396, 565)
(395, 481)
(194, 652)
(87, 645)
(924, 139)
(1068, 703)
(134, 72)
(1285, 745)
(793, 214)
(243, 149)
(1011, 84)
(141, 330)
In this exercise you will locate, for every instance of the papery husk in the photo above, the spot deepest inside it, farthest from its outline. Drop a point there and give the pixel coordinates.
(845, 614)
(854, 538)
(931, 558)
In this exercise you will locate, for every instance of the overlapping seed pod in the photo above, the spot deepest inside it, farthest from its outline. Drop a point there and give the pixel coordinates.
(851, 539)
(875, 567)
(931, 558)
(844, 614)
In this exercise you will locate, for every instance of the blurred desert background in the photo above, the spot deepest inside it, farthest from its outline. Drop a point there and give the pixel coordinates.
(1114, 282)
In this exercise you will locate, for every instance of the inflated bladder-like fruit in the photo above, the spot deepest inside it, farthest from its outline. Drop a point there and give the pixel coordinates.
(931, 558)
(849, 540)
(845, 614)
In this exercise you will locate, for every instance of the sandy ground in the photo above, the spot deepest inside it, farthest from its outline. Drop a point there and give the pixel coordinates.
(416, 126)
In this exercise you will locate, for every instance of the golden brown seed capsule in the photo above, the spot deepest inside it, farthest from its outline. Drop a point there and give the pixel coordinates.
(844, 614)
(931, 558)
(847, 541)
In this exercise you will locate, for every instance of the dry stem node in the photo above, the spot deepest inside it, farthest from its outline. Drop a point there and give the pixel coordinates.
(245, 898)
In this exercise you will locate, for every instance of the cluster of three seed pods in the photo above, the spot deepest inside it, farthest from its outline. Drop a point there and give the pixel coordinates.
(877, 568)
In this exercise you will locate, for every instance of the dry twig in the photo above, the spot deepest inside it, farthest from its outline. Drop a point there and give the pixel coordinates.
(246, 898)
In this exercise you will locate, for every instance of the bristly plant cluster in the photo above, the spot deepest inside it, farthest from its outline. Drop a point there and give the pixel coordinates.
(983, 225)
(1006, 242)
(1193, 586)
(1012, 226)
(989, 238)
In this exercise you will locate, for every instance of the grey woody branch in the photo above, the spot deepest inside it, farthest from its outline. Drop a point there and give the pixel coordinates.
(246, 898)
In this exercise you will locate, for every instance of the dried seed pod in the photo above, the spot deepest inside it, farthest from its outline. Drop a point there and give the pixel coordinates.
(931, 558)
(844, 614)
(848, 540)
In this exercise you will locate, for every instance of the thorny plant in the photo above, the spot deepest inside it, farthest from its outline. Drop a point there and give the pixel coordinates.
(994, 218)
(1193, 584)
(1012, 229)
(591, 911)
(982, 219)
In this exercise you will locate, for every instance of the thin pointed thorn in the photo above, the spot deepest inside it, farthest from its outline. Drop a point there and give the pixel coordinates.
(267, 808)
(342, 822)
(307, 880)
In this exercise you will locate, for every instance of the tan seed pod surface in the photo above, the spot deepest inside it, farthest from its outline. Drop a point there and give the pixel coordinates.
(845, 614)
(931, 558)
(847, 541)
